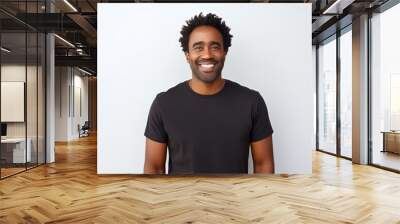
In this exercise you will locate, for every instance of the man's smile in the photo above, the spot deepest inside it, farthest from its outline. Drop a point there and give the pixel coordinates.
(206, 66)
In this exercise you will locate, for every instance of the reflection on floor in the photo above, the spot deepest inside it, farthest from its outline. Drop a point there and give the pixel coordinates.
(346, 152)
(10, 169)
(386, 159)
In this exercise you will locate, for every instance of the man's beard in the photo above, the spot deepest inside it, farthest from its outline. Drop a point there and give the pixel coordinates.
(210, 77)
(206, 78)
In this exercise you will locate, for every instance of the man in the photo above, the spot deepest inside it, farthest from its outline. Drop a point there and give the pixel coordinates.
(208, 123)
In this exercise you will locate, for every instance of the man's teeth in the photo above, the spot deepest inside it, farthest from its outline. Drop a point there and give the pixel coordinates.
(207, 65)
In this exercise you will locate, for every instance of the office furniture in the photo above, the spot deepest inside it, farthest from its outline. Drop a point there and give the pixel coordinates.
(84, 130)
(13, 150)
(391, 141)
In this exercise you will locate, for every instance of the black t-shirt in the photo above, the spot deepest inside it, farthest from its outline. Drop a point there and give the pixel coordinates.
(208, 133)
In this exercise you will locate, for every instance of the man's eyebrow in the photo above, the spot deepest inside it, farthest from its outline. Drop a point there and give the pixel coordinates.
(214, 42)
(202, 43)
(198, 43)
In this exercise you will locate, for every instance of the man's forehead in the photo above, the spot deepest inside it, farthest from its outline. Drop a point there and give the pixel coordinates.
(205, 34)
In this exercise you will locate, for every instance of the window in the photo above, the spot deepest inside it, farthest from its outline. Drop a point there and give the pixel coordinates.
(327, 96)
(385, 88)
(346, 93)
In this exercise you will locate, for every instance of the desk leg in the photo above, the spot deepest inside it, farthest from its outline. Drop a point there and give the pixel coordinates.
(384, 142)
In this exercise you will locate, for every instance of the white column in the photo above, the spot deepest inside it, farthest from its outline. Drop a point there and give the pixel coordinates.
(360, 90)
(50, 100)
(50, 92)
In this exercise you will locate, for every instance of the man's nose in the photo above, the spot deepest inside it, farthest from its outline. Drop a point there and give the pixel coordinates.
(207, 53)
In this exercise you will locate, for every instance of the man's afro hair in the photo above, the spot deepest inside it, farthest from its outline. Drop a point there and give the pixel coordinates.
(208, 20)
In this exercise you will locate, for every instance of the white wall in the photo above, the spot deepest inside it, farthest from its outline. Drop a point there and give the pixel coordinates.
(67, 117)
(80, 89)
(61, 103)
(271, 52)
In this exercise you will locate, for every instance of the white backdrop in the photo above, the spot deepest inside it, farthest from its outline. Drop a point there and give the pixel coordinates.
(139, 55)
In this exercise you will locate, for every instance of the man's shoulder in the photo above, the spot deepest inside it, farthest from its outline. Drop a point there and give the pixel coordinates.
(242, 90)
(172, 92)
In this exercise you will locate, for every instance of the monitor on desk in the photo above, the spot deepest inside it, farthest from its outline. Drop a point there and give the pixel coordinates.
(3, 130)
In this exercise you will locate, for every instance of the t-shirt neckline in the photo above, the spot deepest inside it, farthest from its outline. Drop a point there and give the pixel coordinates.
(226, 83)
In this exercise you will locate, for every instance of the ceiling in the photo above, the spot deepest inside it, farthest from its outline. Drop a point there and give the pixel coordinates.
(76, 22)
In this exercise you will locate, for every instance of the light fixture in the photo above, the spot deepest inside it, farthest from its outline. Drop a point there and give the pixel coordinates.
(84, 71)
(64, 40)
(70, 5)
(5, 50)
(337, 7)
(79, 51)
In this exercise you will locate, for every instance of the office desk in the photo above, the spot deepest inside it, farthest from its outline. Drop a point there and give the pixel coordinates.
(13, 150)
(391, 141)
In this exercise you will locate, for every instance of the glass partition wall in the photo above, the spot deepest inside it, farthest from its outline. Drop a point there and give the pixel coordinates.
(22, 77)
(13, 90)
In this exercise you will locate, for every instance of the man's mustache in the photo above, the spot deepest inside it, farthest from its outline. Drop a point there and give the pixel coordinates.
(213, 61)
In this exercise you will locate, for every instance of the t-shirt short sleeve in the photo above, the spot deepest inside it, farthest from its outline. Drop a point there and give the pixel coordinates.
(261, 125)
(155, 127)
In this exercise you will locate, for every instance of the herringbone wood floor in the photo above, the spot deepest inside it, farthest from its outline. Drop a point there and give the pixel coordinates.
(70, 191)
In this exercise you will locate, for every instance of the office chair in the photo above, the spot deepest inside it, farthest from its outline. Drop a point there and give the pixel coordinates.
(84, 130)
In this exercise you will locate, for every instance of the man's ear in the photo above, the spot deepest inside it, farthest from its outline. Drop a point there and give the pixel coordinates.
(187, 56)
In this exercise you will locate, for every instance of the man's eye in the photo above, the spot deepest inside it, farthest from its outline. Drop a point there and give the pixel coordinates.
(215, 47)
(198, 48)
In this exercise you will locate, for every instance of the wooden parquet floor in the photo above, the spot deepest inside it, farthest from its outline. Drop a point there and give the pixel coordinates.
(70, 191)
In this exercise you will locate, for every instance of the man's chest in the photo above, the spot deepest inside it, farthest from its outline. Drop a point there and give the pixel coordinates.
(213, 121)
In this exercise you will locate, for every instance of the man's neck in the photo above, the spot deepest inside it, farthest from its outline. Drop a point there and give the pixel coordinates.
(203, 88)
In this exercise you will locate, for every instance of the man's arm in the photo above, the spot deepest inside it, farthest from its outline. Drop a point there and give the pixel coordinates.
(156, 153)
(263, 157)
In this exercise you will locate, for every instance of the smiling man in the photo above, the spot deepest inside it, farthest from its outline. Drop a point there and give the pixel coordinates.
(207, 123)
